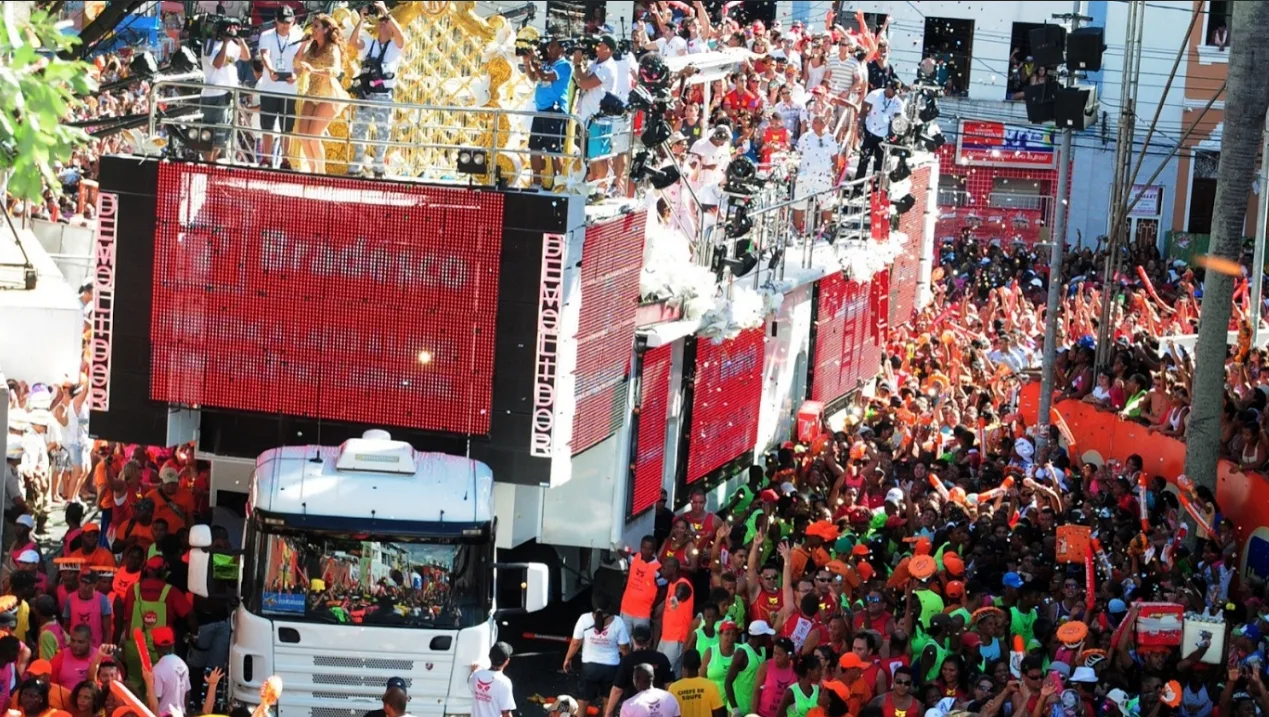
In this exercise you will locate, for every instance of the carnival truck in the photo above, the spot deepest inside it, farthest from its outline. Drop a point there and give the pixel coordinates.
(362, 562)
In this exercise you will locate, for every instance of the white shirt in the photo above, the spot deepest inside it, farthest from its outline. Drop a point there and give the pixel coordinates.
(625, 78)
(391, 56)
(845, 72)
(677, 46)
(607, 74)
(651, 702)
(226, 75)
(490, 693)
(710, 154)
(282, 51)
(817, 153)
(171, 685)
(601, 648)
(883, 110)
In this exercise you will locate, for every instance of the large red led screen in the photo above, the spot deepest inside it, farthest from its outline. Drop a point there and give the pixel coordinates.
(846, 335)
(725, 400)
(324, 297)
(654, 406)
(612, 258)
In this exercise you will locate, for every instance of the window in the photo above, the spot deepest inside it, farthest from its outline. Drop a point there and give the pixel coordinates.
(949, 43)
(1009, 193)
(1020, 70)
(1219, 15)
(1202, 191)
(845, 16)
(952, 191)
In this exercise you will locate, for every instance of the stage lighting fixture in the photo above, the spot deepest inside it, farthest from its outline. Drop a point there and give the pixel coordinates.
(658, 178)
(738, 223)
(473, 161)
(744, 259)
(144, 66)
(742, 177)
(900, 125)
(653, 72)
(611, 106)
(901, 172)
(184, 60)
(931, 141)
(904, 204)
(656, 133)
(930, 111)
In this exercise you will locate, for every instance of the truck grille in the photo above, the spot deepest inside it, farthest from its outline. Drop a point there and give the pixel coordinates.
(333, 712)
(362, 663)
(353, 680)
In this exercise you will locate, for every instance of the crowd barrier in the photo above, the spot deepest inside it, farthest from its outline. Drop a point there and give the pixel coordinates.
(1242, 497)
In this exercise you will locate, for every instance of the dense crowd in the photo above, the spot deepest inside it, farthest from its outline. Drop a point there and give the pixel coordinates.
(930, 556)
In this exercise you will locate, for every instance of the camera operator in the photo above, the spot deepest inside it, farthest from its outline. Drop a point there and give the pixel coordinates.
(278, 48)
(220, 68)
(595, 82)
(380, 60)
(547, 133)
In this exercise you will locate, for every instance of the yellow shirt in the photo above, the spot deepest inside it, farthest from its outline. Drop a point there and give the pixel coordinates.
(697, 696)
(24, 621)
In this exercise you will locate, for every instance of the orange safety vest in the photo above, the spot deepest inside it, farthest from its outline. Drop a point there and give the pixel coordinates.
(676, 622)
(641, 587)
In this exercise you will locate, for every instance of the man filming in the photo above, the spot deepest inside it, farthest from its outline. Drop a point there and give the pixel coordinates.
(595, 82)
(220, 69)
(547, 133)
(380, 59)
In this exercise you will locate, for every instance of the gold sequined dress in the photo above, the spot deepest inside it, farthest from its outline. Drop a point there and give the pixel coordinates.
(321, 85)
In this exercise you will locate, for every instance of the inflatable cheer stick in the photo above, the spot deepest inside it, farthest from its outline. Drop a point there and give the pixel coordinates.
(939, 487)
(1015, 656)
(1102, 560)
(1149, 287)
(1142, 511)
(1090, 580)
(143, 650)
(270, 691)
(1199, 518)
(129, 700)
(989, 495)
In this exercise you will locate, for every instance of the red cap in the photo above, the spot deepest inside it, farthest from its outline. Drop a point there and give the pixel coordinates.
(155, 563)
(769, 496)
(163, 637)
(971, 640)
(819, 90)
(896, 522)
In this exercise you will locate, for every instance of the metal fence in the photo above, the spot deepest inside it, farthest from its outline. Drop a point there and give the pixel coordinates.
(421, 142)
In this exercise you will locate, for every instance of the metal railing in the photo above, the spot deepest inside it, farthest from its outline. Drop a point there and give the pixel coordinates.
(1017, 200)
(953, 198)
(423, 142)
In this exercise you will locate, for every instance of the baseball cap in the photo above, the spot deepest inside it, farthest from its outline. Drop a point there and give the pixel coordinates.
(1117, 606)
(720, 132)
(26, 520)
(90, 528)
(396, 683)
(851, 661)
(163, 636)
(1084, 674)
(40, 668)
(894, 495)
(285, 13)
(676, 137)
(564, 705)
(169, 475)
(1012, 580)
(1119, 698)
(955, 588)
(1249, 631)
(769, 496)
(155, 563)
(13, 448)
(609, 40)
(761, 627)
(29, 556)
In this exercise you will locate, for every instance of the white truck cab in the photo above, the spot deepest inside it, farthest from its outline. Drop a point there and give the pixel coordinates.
(362, 562)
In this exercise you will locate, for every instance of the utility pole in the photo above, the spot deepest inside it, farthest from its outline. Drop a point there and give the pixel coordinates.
(1121, 185)
(1258, 256)
(1056, 252)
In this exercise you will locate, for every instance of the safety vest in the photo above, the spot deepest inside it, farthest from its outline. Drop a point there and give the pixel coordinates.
(641, 588)
(147, 615)
(676, 622)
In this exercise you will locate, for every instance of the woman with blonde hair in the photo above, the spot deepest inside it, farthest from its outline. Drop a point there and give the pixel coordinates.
(321, 58)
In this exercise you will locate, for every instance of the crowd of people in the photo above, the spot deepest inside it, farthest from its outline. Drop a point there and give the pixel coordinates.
(933, 556)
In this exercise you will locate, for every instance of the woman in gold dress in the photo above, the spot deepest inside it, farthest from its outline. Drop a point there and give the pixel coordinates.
(322, 59)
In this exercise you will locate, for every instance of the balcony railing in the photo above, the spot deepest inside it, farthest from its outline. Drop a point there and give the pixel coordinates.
(424, 142)
(1015, 200)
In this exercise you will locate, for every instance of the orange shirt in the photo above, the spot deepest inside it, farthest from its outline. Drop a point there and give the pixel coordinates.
(99, 556)
(175, 509)
(101, 481)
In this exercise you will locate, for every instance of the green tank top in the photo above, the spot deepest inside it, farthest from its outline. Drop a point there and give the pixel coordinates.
(705, 642)
(736, 613)
(716, 671)
(743, 686)
(940, 654)
(1021, 623)
(803, 703)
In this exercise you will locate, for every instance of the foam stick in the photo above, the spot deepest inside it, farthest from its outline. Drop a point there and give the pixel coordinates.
(1090, 580)
(1015, 656)
(1101, 557)
(143, 650)
(1199, 518)
(1149, 286)
(939, 487)
(989, 495)
(1142, 511)
(1056, 419)
(124, 695)
(728, 6)
(270, 691)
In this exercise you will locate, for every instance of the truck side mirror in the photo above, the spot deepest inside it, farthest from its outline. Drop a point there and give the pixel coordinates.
(213, 572)
(534, 588)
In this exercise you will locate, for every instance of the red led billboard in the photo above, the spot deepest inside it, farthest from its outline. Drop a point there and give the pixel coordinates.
(654, 406)
(725, 399)
(342, 299)
(846, 336)
(612, 258)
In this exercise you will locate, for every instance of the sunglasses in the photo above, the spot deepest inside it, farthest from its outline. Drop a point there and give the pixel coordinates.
(1035, 676)
(903, 683)
(821, 580)
(874, 598)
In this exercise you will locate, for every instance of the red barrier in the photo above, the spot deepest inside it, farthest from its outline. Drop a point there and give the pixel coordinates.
(1242, 497)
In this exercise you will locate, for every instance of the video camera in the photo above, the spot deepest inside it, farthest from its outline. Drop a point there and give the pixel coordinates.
(205, 28)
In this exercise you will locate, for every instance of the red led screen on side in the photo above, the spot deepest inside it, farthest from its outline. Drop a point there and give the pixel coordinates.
(725, 400)
(612, 258)
(654, 406)
(321, 297)
(846, 349)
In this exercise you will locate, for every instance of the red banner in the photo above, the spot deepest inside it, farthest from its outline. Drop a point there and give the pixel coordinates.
(845, 350)
(654, 405)
(725, 400)
(342, 299)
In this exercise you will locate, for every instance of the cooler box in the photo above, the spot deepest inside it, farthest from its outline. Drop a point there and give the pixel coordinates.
(1194, 626)
(1072, 543)
(809, 424)
(1159, 624)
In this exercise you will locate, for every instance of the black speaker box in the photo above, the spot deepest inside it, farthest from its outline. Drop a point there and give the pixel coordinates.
(1048, 45)
(1075, 108)
(1084, 48)
(1040, 104)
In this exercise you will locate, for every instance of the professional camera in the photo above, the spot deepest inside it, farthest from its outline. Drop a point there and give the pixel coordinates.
(372, 80)
(227, 27)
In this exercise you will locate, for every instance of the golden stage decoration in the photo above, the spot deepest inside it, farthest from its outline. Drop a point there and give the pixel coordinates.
(452, 58)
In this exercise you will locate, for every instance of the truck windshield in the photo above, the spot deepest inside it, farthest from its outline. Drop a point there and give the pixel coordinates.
(370, 580)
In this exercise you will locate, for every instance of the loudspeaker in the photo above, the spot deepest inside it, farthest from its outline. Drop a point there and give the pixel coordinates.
(1084, 48)
(1048, 45)
(1076, 107)
(1040, 102)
